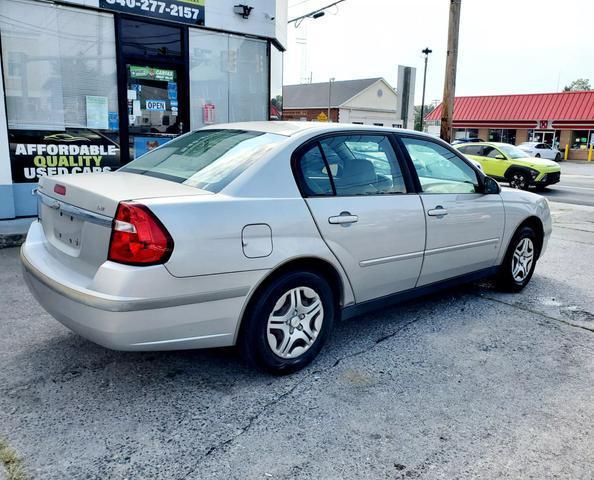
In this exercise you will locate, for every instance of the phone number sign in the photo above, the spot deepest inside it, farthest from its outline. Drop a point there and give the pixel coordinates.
(185, 11)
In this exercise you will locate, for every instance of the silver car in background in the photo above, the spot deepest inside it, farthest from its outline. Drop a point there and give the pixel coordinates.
(263, 234)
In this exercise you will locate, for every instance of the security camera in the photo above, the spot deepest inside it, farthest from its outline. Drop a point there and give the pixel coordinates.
(243, 10)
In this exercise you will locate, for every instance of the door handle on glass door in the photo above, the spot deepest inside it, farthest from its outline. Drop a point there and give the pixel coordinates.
(438, 211)
(344, 218)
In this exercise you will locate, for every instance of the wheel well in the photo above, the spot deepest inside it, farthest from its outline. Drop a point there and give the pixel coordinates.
(513, 169)
(307, 264)
(536, 224)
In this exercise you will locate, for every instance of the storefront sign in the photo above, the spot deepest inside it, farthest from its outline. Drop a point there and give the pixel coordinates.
(34, 154)
(150, 73)
(156, 105)
(185, 11)
(208, 114)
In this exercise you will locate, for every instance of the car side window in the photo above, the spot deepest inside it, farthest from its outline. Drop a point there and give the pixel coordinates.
(476, 150)
(491, 152)
(316, 181)
(363, 165)
(440, 170)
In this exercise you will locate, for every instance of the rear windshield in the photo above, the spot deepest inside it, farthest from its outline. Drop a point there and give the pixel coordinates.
(207, 159)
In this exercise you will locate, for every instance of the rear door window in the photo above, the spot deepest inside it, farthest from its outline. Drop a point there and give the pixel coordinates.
(363, 165)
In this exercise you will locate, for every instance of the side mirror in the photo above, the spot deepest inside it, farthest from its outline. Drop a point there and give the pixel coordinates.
(491, 186)
(499, 157)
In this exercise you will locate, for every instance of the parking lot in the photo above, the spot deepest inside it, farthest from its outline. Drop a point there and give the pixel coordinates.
(464, 384)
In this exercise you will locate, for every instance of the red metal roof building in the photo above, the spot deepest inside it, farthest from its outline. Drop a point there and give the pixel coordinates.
(565, 118)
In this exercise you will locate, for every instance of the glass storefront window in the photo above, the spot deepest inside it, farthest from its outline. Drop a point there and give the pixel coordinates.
(502, 135)
(460, 133)
(248, 80)
(579, 139)
(228, 78)
(149, 40)
(276, 83)
(59, 67)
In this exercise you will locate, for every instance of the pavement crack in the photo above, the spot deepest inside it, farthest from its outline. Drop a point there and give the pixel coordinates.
(11, 462)
(536, 312)
(254, 418)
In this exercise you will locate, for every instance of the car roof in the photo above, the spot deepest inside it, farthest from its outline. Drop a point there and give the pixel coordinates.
(290, 128)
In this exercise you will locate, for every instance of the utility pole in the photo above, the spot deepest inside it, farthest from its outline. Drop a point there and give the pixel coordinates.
(449, 87)
(427, 51)
(330, 97)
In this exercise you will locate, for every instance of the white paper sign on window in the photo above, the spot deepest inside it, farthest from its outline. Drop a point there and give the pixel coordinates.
(97, 112)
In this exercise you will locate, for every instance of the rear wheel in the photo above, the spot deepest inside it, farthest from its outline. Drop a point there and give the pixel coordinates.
(289, 323)
(519, 180)
(520, 260)
(537, 155)
(558, 157)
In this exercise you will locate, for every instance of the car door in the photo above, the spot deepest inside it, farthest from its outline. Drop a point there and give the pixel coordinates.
(495, 162)
(464, 226)
(546, 151)
(365, 210)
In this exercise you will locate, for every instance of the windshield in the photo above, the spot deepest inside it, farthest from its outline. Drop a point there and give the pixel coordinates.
(207, 159)
(513, 152)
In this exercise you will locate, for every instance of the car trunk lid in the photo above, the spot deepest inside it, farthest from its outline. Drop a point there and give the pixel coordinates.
(76, 212)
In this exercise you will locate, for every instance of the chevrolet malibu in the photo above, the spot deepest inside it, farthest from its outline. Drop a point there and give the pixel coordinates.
(263, 234)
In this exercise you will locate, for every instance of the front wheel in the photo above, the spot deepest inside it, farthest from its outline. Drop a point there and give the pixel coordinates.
(519, 180)
(537, 155)
(520, 260)
(288, 324)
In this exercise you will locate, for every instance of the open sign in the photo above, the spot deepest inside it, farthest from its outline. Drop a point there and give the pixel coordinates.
(156, 105)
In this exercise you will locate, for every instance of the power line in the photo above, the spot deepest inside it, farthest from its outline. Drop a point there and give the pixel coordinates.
(313, 14)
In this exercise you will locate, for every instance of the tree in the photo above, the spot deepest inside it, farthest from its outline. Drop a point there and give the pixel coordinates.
(578, 85)
(427, 110)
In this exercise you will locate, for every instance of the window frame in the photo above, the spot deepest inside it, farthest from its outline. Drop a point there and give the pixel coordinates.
(411, 168)
(409, 180)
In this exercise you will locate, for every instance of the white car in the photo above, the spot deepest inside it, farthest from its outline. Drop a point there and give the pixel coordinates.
(263, 234)
(541, 150)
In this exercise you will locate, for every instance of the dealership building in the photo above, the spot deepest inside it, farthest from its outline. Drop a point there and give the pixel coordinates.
(89, 85)
(564, 119)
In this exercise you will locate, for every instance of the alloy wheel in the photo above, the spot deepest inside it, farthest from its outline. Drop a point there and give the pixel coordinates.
(522, 260)
(295, 322)
(518, 181)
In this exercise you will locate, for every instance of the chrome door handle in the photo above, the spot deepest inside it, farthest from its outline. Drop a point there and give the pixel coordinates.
(438, 211)
(344, 218)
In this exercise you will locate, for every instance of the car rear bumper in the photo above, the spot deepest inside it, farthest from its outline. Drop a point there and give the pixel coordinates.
(172, 313)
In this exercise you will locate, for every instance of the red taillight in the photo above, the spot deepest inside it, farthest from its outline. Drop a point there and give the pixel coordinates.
(138, 237)
(59, 189)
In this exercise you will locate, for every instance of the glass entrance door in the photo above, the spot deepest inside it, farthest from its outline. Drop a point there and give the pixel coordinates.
(549, 137)
(153, 84)
(153, 107)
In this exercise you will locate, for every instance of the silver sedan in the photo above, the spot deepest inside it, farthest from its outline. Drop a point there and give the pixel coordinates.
(263, 234)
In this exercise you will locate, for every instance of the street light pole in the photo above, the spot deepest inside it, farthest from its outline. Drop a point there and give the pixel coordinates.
(330, 97)
(427, 51)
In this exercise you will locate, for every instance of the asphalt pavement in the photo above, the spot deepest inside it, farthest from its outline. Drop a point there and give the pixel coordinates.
(465, 384)
(576, 186)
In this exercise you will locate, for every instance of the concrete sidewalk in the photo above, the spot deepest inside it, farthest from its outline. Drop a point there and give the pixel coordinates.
(13, 232)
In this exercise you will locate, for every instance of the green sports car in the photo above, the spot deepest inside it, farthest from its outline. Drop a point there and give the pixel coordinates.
(507, 163)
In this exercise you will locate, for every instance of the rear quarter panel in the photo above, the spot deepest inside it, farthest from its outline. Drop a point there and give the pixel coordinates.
(207, 230)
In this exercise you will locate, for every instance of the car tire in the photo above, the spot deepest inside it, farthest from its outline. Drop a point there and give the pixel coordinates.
(519, 180)
(520, 260)
(537, 155)
(279, 334)
(558, 157)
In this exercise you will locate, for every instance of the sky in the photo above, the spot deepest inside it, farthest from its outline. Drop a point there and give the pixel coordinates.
(505, 46)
